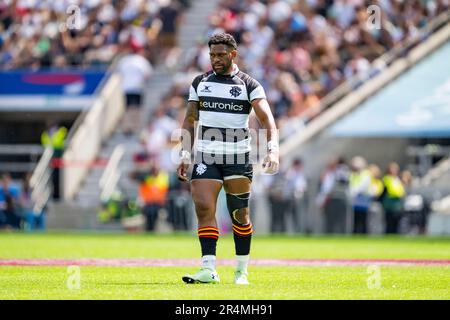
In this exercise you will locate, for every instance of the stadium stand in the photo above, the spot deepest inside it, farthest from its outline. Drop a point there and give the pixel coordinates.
(308, 55)
(303, 56)
(35, 35)
(70, 39)
(301, 51)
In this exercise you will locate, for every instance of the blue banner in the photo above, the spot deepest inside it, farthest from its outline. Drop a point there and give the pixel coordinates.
(71, 83)
(417, 104)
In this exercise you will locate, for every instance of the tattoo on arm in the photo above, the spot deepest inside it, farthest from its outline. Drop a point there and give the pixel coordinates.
(192, 115)
(192, 111)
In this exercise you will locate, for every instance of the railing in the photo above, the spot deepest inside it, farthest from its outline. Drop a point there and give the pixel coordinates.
(21, 149)
(110, 83)
(441, 206)
(16, 166)
(41, 188)
(31, 150)
(423, 156)
(111, 175)
(80, 119)
(441, 168)
(97, 125)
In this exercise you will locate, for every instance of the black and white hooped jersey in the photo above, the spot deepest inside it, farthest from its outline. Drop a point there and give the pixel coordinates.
(224, 109)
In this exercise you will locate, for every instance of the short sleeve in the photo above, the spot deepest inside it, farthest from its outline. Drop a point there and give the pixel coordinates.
(193, 96)
(256, 91)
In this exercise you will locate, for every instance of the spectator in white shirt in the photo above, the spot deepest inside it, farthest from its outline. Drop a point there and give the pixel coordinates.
(135, 71)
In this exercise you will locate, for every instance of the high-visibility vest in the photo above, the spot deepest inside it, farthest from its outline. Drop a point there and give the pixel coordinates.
(376, 187)
(154, 188)
(357, 178)
(394, 186)
(56, 140)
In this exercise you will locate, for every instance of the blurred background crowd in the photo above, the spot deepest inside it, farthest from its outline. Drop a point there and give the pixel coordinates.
(353, 197)
(43, 33)
(301, 50)
(298, 50)
(355, 190)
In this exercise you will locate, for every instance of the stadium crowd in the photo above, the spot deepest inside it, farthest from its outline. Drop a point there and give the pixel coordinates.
(17, 209)
(356, 186)
(298, 50)
(374, 201)
(362, 190)
(355, 191)
(67, 33)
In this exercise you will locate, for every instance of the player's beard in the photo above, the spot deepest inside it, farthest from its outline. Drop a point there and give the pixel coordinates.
(225, 70)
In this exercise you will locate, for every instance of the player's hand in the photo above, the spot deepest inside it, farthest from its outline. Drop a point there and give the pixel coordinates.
(271, 163)
(182, 171)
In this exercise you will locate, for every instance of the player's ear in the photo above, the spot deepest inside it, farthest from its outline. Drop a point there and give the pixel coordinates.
(233, 53)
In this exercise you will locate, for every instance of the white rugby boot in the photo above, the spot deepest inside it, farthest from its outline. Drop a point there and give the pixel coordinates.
(241, 277)
(205, 275)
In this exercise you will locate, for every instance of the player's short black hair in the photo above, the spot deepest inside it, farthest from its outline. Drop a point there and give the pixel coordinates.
(223, 38)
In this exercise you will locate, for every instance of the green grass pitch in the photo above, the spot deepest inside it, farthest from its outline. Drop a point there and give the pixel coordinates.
(267, 282)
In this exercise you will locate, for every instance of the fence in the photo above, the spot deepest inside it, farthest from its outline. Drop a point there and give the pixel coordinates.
(40, 182)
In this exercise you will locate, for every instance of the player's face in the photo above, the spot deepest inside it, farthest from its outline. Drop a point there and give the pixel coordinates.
(221, 58)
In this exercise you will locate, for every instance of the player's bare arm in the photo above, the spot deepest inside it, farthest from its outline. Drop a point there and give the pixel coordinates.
(217, 91)
(267, 121)
(188, 125)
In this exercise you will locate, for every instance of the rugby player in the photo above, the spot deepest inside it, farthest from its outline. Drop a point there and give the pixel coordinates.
(220, 101)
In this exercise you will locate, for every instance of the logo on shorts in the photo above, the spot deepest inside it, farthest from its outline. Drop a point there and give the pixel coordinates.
(201, 169)
(206, 89)
(235, 91)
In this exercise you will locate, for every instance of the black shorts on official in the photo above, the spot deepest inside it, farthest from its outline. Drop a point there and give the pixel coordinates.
(222, 167)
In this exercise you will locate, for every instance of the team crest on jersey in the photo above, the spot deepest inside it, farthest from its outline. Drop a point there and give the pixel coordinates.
(201, 169)
(235, 91)
(206, 89)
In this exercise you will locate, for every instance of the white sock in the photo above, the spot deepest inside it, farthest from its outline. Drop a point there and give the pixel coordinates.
(242, 262)
(209, 261)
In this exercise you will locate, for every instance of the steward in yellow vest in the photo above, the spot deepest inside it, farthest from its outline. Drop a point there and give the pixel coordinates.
(376, 184)
(54, 138)
(392, 197)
